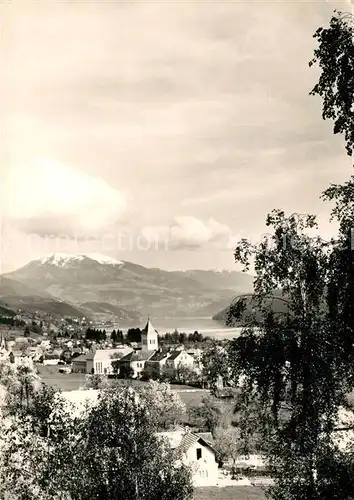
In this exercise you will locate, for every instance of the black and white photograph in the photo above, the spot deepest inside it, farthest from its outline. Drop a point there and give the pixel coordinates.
(176, 250)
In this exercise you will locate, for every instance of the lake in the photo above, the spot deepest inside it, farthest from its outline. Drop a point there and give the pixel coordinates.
(205, 326)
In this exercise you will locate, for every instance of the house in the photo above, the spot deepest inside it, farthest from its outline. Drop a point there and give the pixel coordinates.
(18, 358)
(197, 452)
(154, 366)
(178, 359)
(83, 363)
(102, 361)
(135, 361)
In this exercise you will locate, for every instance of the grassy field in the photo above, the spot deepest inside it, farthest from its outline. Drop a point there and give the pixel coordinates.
(74, 381)
(229, 493)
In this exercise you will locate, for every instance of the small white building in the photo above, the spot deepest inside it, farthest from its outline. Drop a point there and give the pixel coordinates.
(198, 453)
(102, 360)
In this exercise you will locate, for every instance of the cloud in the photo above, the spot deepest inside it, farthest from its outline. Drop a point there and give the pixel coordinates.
(48, 197)
(187, 232)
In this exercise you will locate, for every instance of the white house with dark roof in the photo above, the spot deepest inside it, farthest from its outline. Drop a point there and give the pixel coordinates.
(136, 361)
(154, 366)
(178, 359)
(197, 452)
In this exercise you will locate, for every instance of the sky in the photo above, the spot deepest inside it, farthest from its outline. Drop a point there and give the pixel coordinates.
(159, 132)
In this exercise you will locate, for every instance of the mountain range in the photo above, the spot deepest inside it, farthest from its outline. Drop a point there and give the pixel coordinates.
(92, 284)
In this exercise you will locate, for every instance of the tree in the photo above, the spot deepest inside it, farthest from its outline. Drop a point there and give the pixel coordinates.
(18, 383)
(165, 406)
(120, 337)
(122, 456)
(134, 335)
(226, 445)
(335, 57)
(296, 373)
(114, 336)
(95, 381)
(108, 451)
(187, 375)
(215, 365)
(212, 413)
(39, 453)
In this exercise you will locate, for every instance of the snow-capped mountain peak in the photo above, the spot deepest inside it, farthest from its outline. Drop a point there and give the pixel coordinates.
(60, 259)
(103, 259)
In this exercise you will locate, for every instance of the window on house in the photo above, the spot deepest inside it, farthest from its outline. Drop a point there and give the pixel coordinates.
(199, 453)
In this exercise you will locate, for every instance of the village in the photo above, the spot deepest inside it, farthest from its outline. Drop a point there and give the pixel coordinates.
(177, 250)
(139, 354)
(88, 366)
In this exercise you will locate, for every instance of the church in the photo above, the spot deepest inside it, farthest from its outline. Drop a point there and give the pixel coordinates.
(134, 362)
(152, 359)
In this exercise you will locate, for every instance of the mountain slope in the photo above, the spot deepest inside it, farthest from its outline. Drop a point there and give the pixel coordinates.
(95, 282)
(16, 295)
(278, 305)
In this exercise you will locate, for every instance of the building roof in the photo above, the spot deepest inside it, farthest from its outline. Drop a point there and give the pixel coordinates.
(207, 436)
(138, 356)
(84, 357)
(159, 356)
(173, 355)
(106, 354)
(149, 329)
(183, 440)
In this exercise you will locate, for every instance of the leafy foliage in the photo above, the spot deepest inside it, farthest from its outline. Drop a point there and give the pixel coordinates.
(110, 451)
(335, 57)
(165, 406)
(295, 371)
(95, 381)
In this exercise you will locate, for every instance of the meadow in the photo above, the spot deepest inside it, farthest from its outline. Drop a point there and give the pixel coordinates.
(74, 381)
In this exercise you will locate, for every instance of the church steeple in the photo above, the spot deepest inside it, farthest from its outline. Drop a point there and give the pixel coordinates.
(149, 337)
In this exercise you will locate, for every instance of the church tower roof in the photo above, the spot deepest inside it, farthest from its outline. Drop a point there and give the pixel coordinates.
(149, 329)
(149, 337)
